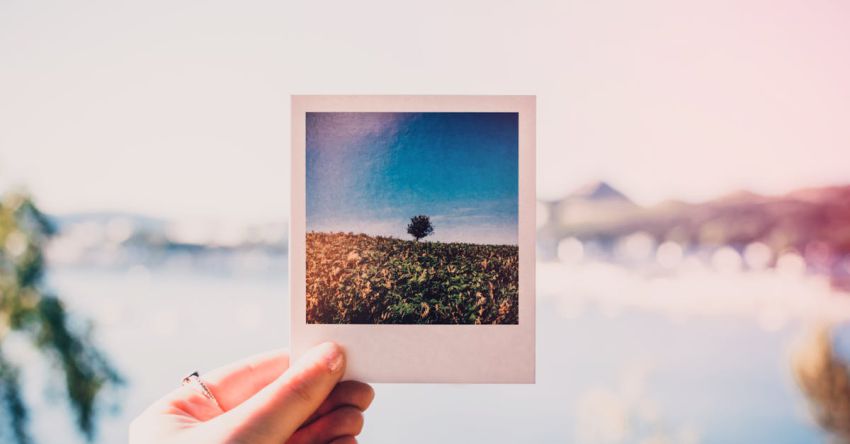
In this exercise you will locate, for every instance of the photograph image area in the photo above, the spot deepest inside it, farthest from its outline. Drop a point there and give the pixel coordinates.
(412, 218)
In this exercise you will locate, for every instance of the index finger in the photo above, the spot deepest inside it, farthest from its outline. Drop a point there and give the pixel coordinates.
(279, 409)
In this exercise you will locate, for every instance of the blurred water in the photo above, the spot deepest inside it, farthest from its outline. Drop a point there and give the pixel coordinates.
(631, 374)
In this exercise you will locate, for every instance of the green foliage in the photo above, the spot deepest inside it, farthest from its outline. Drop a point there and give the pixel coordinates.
(40, 318)
(420, 226)
(359, 279)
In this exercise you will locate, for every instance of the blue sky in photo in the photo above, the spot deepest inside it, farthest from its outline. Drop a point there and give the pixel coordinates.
(371, 172)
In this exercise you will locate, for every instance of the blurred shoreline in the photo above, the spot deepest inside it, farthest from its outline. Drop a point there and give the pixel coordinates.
(115, 240)
(803, 230)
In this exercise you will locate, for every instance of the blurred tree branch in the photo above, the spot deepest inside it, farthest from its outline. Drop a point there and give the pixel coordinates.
(28, 311)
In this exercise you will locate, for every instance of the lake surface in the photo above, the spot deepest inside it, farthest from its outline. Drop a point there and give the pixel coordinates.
(610, 370)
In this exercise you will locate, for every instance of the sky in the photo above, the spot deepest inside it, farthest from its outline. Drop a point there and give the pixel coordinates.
(371, 172)
(181, 109)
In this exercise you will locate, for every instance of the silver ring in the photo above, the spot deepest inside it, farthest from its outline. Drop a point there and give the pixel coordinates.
(194, 380)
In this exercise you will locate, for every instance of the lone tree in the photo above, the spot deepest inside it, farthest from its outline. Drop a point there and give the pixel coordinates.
(419, 227)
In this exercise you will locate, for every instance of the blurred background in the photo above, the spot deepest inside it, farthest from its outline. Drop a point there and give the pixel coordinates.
(693, 216)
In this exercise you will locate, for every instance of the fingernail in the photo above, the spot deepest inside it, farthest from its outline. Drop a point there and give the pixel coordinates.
(334, 357)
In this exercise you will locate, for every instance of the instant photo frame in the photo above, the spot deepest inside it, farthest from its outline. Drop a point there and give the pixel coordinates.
(411, 353)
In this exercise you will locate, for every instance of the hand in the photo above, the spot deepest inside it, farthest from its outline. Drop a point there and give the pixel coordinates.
(263, 400)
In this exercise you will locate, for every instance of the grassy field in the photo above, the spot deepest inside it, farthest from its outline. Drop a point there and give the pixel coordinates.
(360, 279)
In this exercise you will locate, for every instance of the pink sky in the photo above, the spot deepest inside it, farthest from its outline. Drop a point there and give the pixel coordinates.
(182, 109)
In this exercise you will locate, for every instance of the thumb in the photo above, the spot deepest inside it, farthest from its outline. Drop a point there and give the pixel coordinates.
(278, 410)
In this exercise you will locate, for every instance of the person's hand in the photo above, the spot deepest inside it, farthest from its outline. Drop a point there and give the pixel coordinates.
(262, 400)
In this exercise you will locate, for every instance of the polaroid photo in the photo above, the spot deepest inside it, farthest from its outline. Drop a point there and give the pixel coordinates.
(412, 235)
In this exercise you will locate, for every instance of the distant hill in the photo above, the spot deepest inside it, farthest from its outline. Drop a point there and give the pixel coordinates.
(91, 231)
(138, 221)
(811, 221)
(596, 206)
(599, 191)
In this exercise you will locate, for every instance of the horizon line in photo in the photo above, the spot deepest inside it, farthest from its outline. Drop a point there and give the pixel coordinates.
(408, 238)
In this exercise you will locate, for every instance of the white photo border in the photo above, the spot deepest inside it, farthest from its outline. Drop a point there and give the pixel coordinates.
(378, 353)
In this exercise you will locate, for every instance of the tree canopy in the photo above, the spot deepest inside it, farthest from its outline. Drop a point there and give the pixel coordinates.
(420, 226)
(30, 312)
